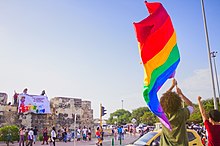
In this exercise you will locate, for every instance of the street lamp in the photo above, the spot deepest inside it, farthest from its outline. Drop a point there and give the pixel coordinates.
(213, 54)
(209, 54)
(122, 103)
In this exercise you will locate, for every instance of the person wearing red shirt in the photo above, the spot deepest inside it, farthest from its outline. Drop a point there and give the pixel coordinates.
(98, 136)
(212, 124)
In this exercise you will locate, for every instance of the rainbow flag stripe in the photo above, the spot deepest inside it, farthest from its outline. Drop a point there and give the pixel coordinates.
(159, 53)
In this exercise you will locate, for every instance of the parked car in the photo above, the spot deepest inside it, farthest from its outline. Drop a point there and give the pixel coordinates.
(154, 137)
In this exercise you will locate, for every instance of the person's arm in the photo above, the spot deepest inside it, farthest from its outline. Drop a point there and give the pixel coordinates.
(174, 83)
(183, 97)
(202, 110)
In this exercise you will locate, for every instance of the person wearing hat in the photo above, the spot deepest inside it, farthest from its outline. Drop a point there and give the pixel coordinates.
(211, 123)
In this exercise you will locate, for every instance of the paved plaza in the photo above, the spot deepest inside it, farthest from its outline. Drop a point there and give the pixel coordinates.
(107, 142)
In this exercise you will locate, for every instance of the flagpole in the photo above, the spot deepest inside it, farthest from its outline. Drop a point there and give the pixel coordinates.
(209, 54)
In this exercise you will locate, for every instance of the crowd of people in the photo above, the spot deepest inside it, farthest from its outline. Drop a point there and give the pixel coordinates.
(29, 136)
(119, 131)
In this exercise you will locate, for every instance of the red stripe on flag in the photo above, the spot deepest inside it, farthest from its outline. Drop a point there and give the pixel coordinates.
(153, 32)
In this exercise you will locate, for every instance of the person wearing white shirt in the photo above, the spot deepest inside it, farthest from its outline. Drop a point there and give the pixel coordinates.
(53, 135)
(30, 137)
(84, 132)
(78, 134)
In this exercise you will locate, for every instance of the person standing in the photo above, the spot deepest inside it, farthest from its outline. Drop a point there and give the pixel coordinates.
(89, 134)
(21, 134)
(212, 124)
(25, 91)
(78, 134)
(30, 137)
(26, 136)
(123, 133)
(45, 136)
(134, 129)
(53, 135)
(84, 133)
(171, 103)
(65, 135)
(15, 96)
(119, 133)
(115, 133)
(9, 137)
(98, 136)
(43, 93)
(35, 134)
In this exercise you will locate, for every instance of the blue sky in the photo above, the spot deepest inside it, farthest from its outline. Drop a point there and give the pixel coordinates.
(88, 49)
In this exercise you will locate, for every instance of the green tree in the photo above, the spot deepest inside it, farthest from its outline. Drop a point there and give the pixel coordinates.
(9, 131)
(121, 117)
(196, 116)
(149, 118)
(144, 115)
(138, 113)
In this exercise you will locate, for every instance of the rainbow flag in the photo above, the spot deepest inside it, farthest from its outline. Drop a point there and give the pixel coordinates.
(159, 53)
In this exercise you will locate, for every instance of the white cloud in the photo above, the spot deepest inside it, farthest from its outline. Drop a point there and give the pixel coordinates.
(199, 84)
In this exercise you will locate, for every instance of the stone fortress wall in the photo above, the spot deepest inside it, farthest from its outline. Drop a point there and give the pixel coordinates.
(63, 111)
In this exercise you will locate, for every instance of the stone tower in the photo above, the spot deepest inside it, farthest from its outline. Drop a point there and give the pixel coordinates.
(65, 109)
